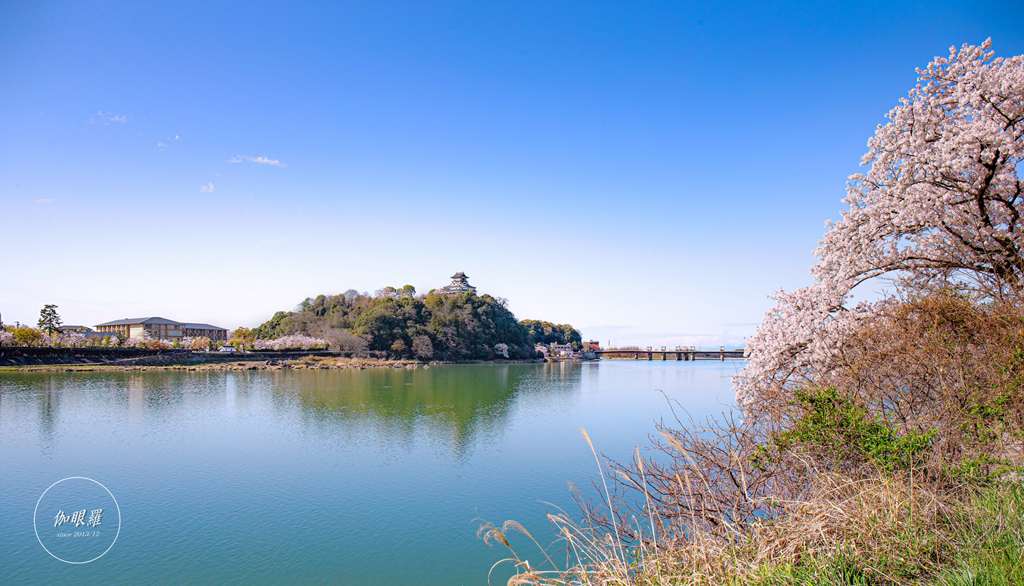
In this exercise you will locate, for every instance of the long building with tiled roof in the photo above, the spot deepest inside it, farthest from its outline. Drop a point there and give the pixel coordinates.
(161, 328)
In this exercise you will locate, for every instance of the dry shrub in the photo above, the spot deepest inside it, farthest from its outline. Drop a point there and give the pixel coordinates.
(701, 476)
(943, 366)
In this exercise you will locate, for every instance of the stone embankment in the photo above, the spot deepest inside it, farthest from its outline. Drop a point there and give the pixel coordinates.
(129, 357)
(125, 359)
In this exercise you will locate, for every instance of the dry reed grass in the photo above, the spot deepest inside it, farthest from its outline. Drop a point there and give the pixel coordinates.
(897, 531)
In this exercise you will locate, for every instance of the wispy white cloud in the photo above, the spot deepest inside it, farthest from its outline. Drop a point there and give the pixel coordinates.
(44, 200)
(165, 142)
(274, 241)
(208, 188)
(257, 160)
(109, 118)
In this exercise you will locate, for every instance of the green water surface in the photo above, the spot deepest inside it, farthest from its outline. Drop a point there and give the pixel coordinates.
(374, 476)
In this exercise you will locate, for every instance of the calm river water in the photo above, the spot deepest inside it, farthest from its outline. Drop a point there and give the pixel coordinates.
(346, 477)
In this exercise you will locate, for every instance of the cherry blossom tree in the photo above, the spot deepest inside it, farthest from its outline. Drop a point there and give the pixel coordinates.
(140, 341)
(73, 339)
(501, 349)
(291, 342)
(160, 344)
(940, 207)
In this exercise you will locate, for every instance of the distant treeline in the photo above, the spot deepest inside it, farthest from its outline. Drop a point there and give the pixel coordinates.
(441, 327)
(545, 332)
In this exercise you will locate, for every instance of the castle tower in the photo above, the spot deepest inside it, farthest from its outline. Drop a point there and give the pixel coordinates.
(460, 284)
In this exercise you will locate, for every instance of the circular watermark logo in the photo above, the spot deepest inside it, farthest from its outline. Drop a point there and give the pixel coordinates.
(77, 520)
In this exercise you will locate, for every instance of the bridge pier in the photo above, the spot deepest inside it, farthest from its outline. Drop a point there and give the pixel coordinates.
(650, 355)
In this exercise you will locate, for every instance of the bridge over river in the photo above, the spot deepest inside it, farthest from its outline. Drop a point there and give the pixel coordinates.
(680, 353)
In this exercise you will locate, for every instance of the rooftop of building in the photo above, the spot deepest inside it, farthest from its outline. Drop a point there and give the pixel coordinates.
(140, 320)
(202, 327)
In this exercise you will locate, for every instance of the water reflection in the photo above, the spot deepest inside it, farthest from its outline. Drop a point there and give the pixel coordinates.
(454, 404)
(48, 407)
(457, 403)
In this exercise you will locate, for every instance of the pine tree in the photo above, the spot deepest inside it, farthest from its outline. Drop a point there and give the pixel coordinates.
(49, 319)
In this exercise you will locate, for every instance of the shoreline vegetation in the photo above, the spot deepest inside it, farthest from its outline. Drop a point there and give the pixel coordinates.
(72, 360)
(875, 443)
(296, 363)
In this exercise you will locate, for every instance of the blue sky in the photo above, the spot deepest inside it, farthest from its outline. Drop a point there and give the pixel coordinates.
(648, 172)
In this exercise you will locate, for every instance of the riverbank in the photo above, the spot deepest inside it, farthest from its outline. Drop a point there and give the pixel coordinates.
(76, 360)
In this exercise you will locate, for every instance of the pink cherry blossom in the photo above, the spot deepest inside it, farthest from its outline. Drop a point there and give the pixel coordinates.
(138, 341)
(940, 206)
(290, 342)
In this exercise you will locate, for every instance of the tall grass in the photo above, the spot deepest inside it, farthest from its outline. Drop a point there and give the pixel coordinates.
(991, 530)
(879, 531)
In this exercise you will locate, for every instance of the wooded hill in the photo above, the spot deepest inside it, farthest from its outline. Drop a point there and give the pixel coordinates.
(442, 327)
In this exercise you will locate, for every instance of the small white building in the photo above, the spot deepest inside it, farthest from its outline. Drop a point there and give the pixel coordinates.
(561, 350)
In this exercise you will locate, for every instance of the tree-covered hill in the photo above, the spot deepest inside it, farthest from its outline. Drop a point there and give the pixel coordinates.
(545, 332)
(444, 327)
